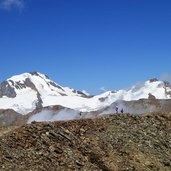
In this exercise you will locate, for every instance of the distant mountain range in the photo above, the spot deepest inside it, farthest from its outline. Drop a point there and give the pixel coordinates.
(33, 91)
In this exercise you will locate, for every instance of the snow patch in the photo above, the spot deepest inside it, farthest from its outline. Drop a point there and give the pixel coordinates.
(54, 94)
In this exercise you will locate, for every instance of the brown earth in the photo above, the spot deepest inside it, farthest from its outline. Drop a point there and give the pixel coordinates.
(141, 106)
(9, 117)
(110, 143)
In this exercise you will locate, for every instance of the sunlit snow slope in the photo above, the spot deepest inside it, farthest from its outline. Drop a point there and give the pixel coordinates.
(29, 91)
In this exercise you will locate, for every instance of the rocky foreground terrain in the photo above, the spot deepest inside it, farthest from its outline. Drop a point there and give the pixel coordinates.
(109, 143)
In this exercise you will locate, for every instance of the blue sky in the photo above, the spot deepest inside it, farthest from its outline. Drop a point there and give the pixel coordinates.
(86, 44)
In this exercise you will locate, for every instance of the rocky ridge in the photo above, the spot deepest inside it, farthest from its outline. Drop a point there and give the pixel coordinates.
(110, 143)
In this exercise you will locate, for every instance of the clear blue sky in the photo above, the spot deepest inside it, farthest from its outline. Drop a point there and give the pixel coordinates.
(86, 44)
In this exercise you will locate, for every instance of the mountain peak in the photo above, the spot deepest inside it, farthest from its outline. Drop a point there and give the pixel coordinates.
(35, 73)
(31, 90)
(153, 80)
(26, 75)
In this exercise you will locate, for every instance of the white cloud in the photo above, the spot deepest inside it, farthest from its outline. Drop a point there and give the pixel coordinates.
(103, 89)
(9, 4)
(47, 115)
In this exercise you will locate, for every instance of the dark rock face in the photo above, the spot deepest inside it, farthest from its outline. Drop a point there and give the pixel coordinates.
(39, 101)
(102, 99)
(150, 96)
(12, 82)
(80, 93)
(37, 74)
(153, 80)
(114, 91)
(34, 73)
(167, 84)
(28, 83)
(55, 85)
(19, 85)
(7, 90)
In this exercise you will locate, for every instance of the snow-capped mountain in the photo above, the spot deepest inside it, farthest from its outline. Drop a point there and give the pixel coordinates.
(26, 92)
(151, 89)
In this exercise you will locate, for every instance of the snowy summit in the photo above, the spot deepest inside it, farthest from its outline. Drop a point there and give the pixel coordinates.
(26, 92)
